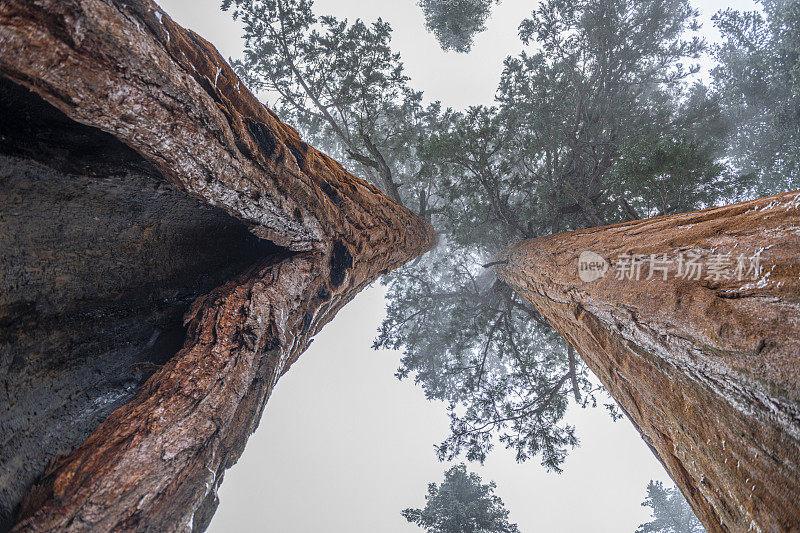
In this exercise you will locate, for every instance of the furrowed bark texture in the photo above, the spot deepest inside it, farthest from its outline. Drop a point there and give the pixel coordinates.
(708, 371)
(155, 216)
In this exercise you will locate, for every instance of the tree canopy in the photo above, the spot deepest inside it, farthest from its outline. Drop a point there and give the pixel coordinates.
(599, 126)
(462, 503)
(341, 84)
(598, 120)
(758, 78)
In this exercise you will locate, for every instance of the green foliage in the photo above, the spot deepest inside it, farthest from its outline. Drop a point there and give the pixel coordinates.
(599, 126)
(509, 381)
(341, 84)
(456, 22)
(758, 77)
(671, 512)
(461, 504)
(674, 166)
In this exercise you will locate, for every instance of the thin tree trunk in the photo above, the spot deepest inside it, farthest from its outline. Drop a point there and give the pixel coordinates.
(708, 370)
(124, 67)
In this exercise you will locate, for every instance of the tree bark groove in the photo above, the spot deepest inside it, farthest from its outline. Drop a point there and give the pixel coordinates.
(708, 370)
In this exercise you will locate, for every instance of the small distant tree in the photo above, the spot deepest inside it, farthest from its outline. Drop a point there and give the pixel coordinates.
(462, 504)
(456, 22)
(671, 512)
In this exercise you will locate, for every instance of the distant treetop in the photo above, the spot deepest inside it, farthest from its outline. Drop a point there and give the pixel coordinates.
(671, 512)
(461, 504)
(456, 22)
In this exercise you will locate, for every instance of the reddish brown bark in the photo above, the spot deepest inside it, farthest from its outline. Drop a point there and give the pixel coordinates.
(707, 370)
(126, 68)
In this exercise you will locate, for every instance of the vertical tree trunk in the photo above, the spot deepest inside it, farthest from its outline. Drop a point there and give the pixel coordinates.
(707, 369)
(147, 191)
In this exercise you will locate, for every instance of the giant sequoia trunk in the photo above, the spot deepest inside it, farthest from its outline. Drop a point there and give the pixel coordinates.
(705, 363)
(167, 249)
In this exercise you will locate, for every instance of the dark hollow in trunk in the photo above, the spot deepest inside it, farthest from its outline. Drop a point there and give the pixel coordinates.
(100, 259)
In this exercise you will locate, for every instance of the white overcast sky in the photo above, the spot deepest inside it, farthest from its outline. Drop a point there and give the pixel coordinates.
(343, 445)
